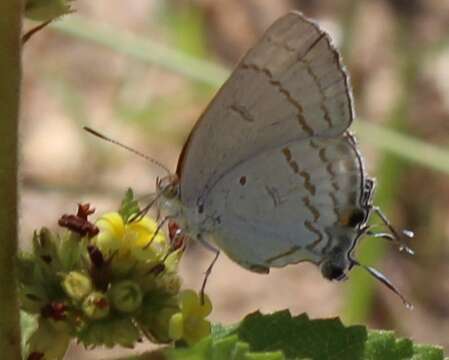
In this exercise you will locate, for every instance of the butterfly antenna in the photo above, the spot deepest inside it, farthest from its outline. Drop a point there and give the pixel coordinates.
(134, 151)
(384, 280)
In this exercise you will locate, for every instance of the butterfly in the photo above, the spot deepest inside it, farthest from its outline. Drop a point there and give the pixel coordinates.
(270, 174)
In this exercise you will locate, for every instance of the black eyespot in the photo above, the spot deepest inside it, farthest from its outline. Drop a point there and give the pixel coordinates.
(243, 180)
(200, 208)
(356, 217)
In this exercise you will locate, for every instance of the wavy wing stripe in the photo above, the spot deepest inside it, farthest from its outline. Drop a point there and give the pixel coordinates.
(313, 210)
(295, 168)
(294, 102)
(309, 226)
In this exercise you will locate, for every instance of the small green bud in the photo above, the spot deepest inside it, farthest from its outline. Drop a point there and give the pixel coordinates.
(169, 282)
(96, 305)
(190, 323)
(126, 296)
(157, 324)
(70, 249)
(157, 309)
(176, 326)
(45, 249)
(77, 285)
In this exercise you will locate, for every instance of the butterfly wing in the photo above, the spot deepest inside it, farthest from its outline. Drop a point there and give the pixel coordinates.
(293, 203)
(290, 86)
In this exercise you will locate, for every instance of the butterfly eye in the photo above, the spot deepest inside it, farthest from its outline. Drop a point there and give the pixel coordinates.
(168, 186)
(171, 191)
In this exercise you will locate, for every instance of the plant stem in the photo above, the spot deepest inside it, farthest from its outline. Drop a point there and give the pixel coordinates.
(10, 75)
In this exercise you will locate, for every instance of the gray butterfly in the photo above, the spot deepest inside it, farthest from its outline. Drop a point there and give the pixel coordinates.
(270, 173)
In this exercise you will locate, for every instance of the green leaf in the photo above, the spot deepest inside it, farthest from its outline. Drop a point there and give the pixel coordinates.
(50, 338)
(280, 336)
(383, 345)
(427, 352)
(222, 347)
(219, 331)
(129, 206)
(300, 337)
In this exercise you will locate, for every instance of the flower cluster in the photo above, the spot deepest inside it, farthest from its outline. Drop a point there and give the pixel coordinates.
(108, 283)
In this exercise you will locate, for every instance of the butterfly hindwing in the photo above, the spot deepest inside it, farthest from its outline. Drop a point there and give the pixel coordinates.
(288, 204)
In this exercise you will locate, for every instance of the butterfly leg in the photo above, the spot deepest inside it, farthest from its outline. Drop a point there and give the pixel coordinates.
(209, 247)
(395, 236)
(139, 216)
(383, 235)
(384, 280)
(159, 227)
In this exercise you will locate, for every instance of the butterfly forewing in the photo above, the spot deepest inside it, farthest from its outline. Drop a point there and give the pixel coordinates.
(290, 86)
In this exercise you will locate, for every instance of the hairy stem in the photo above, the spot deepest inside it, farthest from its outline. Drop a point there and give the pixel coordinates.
(10, 74)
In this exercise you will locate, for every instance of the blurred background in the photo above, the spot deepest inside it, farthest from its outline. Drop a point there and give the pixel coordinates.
(143, 72)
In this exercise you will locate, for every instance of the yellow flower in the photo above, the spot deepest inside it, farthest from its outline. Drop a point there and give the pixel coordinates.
(190, 324)
(131, 239)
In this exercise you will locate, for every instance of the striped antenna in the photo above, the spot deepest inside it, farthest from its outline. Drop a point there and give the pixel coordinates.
(134, 151)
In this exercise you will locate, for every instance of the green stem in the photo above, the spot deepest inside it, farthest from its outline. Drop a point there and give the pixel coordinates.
(10, 74)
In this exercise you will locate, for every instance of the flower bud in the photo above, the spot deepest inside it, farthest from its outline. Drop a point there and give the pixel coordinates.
(176, 326)
(45, 250)
(190, 322)
(77, 285)
(169, 283)
(96, 305)
(126, 296)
